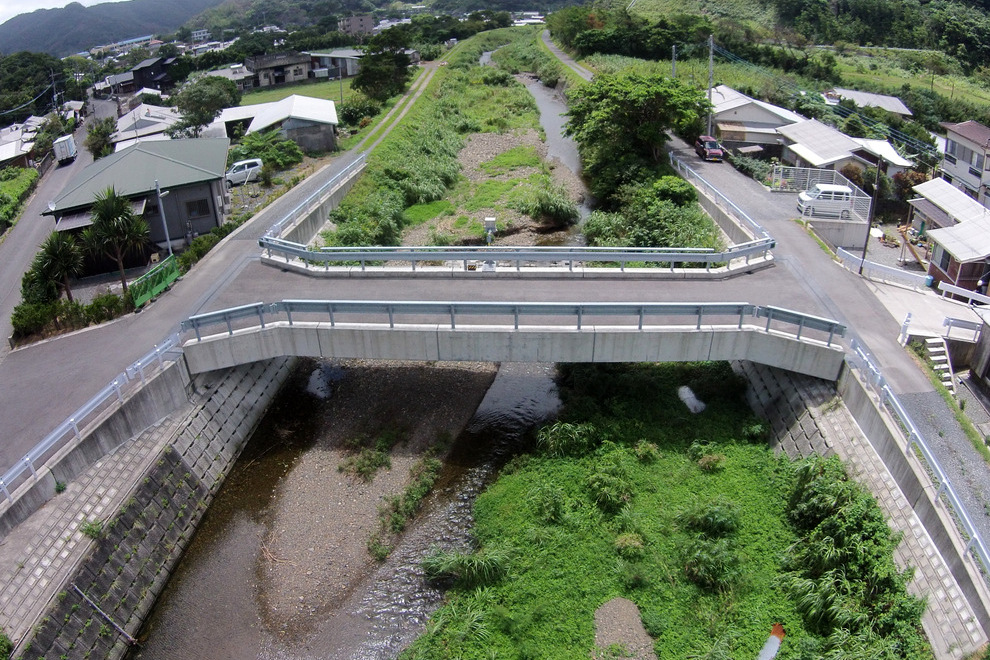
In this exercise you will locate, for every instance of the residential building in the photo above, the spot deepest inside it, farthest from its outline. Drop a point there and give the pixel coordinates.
(120, 83)
(278, 68)
(741, 121)
(958, 228)
(16, 143)
(143, 121)
(891, 104)
(200, 35)
(966, 164)
(237, 73)
(811, 143)
(190, 173)
(363, 24)
(153, 73)
(309, 122)
(342, 61)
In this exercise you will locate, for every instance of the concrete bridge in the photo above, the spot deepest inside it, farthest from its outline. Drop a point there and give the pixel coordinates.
(517, 332)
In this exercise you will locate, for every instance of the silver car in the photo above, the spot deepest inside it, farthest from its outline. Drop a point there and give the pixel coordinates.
(243, 171)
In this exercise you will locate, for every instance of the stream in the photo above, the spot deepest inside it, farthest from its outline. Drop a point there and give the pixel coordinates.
(216, 604)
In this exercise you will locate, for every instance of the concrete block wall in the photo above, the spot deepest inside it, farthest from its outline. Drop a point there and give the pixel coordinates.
(736, 233)
(127, 569)
(161, 396)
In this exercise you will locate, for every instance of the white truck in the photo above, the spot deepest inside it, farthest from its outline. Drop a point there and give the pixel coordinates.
(65, 149)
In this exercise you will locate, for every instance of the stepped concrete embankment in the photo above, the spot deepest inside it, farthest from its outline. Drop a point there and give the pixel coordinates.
(71, 596)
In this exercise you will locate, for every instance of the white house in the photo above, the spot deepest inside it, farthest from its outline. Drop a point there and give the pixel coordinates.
(966, 164)
(309, 122)
(813, 144)
(743, 120)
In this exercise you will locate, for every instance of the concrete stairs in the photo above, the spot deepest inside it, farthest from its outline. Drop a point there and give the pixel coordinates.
(938, 353)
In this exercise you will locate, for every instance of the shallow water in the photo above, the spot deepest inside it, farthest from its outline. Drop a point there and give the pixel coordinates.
(210, 607)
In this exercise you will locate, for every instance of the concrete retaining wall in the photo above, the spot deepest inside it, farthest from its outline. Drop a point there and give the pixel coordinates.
(128, 568)
(916, 486)
(160, 397)
(527, 344)
(849, 234)
(736, 233)
(304, 230)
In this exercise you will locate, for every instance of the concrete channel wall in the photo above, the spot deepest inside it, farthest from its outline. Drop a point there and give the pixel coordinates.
(160, 397)
(305, 229)
(111, 592)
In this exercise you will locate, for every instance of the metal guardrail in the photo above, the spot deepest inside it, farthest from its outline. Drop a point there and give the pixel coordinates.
(721, 200)
(859, 359)
(70, 428)
(330, 309)
(304, 207)
(515, 255)
(875, 271)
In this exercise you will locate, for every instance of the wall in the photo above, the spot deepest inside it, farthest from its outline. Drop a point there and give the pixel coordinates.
(849, 234)
(129, 566)
(305, 229)
(726, 223)
(161, 396)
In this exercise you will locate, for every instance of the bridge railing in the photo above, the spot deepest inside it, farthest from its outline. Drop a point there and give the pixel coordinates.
(859, 359)
(517, 256)
(638, 314)
(71, 429)
(306, 206)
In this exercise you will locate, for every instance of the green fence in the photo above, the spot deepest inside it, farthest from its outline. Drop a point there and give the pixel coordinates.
(154, 281)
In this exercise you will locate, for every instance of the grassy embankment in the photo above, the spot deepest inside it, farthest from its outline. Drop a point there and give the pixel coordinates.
(692, 517)
(413, 178)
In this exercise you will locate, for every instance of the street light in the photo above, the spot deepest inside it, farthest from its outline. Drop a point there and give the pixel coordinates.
(161, 213)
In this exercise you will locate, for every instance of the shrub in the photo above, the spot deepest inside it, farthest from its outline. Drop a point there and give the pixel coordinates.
(630, 546)
(6, 645)
(550, 203)
(31, 318)
(711, 462)
(467, 570)
(104, 307)
(92, 528)
(358, 108)
(647, 452)
(273, 149)
(550, 503)
(712, 520)
(609, 485)
(565, 439)
(711, 564)
(753, 167)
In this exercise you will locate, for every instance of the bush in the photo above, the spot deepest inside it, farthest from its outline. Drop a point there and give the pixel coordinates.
(467, 570)
(716, 519)
(753, 167)
(550, 203)
(104, 307)
(712, 565)
(630, 546)
(356, 108)
(565, 439)
(31, 318)
(270, 147)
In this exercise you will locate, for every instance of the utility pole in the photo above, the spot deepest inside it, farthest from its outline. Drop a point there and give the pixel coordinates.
(673, 61)
(711, 78)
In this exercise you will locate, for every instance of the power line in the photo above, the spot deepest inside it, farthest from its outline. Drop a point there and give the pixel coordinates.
(24, 105)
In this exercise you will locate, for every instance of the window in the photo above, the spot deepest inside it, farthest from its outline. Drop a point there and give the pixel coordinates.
(198, 209)
(941, 257)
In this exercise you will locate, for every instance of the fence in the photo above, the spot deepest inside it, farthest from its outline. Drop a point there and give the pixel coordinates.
(155, 281)
(796, 179)
(859, 359)
(71, 429)
(966, 295)
(720, 200)
(637, 313)
(306, 206)
(880, 272)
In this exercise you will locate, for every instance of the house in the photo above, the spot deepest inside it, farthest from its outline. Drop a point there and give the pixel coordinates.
(190, 174)
(143, 121)
(153, 73)
(200, 35)
(309, 122)
(363, 24)
(742, 121)
(237, 73)
(811, 143)
(120, 83)
(343, 61)
(891, 104)
(958, 228)
(16, 143)
(965, 163)
(278, 68)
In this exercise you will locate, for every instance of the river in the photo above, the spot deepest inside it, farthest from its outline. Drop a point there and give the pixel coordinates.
(253, 582)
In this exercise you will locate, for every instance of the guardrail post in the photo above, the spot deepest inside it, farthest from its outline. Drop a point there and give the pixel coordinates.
(742, 314)
(158, 354)
(452, 323)
(391, 320)
(800, 327)
(141, 372)
(769, 319)
(642, 312)
(30, 466)
(700, 313)
(75, 427)
(261, 316)
(580, 315)
(413, 262)
(196, 328)
(518, 265)
(515, 311)
(831, 333)
(3, 487)
(330, 309)
(230, 329)
(288, 314)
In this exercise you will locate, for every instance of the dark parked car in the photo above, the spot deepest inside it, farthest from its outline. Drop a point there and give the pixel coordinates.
(708, 148)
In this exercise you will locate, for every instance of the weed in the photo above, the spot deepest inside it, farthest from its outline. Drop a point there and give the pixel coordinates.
(468, 570)
(60, 486)
(712, 462)
(630, 545)
(92, 528)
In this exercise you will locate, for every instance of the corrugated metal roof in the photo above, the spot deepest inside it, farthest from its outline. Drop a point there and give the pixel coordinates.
(264, 115)
(133, 171)
(822, 143)
(868, 100)
(885, 150)
(956, 204)
(936, 215)
(967, 241)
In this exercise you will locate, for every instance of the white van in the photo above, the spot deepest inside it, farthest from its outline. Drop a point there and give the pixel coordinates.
(826, 199)
(243, 171)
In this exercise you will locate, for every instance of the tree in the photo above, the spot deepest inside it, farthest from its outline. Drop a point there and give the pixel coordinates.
(385, 68)
(59, 259)
(200, 102)
(632, 111)
(98, 137)
(116, 231)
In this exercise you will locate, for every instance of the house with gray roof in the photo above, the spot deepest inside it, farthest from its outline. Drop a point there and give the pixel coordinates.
(190, 174)
(811, 143)
(741, 120)
(966, 162)
(891, 104)
(309, 122)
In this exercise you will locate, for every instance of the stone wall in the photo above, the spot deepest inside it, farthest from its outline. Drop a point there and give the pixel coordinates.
(140, 545)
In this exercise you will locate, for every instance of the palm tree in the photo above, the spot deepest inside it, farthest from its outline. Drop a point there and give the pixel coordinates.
(115, 231)
(59, 259)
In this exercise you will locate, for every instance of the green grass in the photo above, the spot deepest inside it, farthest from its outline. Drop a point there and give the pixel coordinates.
(322, 89)
(521, 156)
(420, 213)
(743, 11)
(488, 194)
